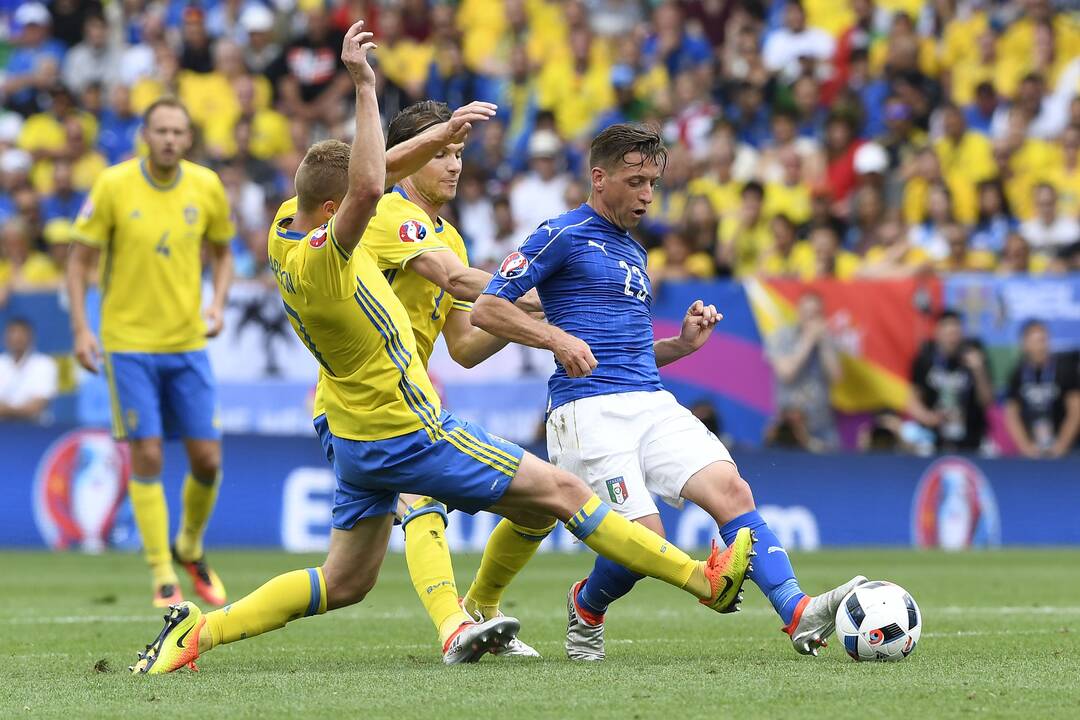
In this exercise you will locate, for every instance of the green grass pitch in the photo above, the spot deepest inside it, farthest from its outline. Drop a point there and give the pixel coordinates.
(1001, 639)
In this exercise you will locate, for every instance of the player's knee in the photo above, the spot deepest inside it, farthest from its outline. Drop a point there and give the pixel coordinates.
(146, 458)
(205, 463)
(569, 493)
(347, 588)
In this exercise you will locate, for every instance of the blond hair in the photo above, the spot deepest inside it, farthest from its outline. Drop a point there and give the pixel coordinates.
(323, 174)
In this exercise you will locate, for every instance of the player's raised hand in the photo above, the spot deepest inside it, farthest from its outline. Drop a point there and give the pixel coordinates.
(215, 321)
(575, 355)
(87, 350)
(698, 324)
(354, 53)
(462, 120)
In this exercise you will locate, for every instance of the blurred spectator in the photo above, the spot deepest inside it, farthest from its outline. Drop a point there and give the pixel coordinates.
(671, 45)
(961, 257)
(612, 18)
(782, 258)
(788, 48)
(812, 114)
(718, 183)
(929, 233)
(22, 267)
(34, 64)
(700, 222)
(118, 125)
(806, 364)
(743, 236)
(964, 155)
(979, 114)
(505, 237)
(1067, 177)
(577, 89)
(451, 82)
(1042, 407)
(893, 255)
(475, 214)
(677, 259)
(1049, 230)
(1017, 259)
(790, 194)
(822, 257)
(995, 219)
(952, 389)
(86, 163)
(64, 201)
(195, 50)
(309, 76)
(868, 212)
(841, 144)
(540, 194)
(28, 379)
(43, 135)
(783, 138)
(261, 50)
(94, 60)
(628, 106)
(224, 20)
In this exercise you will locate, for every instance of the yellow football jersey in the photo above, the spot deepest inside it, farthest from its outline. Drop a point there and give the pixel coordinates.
(151, 241)
(372, 384)
(400, 231)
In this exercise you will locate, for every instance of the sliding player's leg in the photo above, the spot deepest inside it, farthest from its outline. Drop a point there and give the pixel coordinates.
(726, 496)
(511, 545)
(542, 487)
(349, 572)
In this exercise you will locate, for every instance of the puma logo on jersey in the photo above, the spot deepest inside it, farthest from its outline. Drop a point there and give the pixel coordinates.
(598, 245)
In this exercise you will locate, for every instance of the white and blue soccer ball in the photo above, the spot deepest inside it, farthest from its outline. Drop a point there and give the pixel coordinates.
(879, 620)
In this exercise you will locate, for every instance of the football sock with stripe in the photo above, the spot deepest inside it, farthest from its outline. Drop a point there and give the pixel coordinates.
(430, 566)
(772, 568)
(199, 496)
(287, 597)
(607, 582)
(638, 548)
(508, 549)
(152, 517)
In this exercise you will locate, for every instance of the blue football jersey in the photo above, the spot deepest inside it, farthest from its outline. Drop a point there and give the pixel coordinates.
(591, 279)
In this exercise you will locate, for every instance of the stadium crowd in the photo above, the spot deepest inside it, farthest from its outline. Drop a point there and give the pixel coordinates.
(809, 139)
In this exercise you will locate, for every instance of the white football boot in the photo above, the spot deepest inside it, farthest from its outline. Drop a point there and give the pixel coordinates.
(472, 640)
(815, 618)
(515, 648)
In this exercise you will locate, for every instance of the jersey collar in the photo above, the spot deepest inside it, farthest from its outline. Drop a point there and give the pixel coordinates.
(401, 191)
(156, 185)
(285, 233)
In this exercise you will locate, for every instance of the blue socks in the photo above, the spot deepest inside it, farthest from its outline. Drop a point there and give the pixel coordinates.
(772, 569)
(607, 582)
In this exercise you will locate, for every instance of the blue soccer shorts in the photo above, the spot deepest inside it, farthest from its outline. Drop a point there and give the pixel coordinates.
(168, 395)
(464, 467)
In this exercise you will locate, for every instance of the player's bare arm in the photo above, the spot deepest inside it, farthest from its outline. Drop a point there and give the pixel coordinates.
(468, 345)
(697, 327)
(367, 168)
(502, 318)
(81, 262)
(406, 158)
(221, 272)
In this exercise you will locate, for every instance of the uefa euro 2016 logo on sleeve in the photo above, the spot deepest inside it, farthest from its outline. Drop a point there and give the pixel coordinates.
(318, 239)
(79, 491)
(954, 507)
(412, 231)
(513, 266)
(616, 488)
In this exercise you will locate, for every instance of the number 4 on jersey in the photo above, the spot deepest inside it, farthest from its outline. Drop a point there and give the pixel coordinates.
(162, 247)
(632, 271)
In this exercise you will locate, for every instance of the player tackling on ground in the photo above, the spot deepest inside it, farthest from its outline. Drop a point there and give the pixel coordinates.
(610, 420)
(386, 433)
(148, 218)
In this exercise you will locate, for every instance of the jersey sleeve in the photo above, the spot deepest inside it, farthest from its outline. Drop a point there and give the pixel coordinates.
(398, 237)
(94, 224)
(538, 258)
(321, 265)
(220, 227)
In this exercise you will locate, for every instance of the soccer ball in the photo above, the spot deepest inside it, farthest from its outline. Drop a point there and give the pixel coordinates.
(878, 621)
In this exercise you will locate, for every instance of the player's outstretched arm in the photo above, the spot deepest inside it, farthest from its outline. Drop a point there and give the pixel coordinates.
(697, 326)
(367, 161)
(504, 319)
(468, 345)
(81, 262)
(406, 158)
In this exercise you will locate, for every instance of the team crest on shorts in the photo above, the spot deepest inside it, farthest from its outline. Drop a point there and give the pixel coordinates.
(616, 488)
(412, 231)
(318, 239)
(513, 266)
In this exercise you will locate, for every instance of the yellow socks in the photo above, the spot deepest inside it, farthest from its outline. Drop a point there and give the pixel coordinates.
(152, 517)
(295, 594)
(430, 567)
(199, 497)
(508, 549)
(636, 547)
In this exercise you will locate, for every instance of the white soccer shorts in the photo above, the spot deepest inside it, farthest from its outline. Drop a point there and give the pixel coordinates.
(629, 445)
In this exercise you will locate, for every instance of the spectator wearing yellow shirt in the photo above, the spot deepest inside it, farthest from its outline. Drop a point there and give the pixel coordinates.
(86, 163)
(577, 89)
(743, 237)
(43, 134)
(1067, 177)
(791, 195)
(402, 60)
(961, 257)
(677, 259)
(700, 222)
(1024, 162)
(719, 184)
(22, 268)
(164, 81)
(893, 255)
(785, 137)
(980, 65)
(1018, 43)
(270, 135)
(965, 156)
(669, 198)
(781, 261)
(925, 173)
(210, 96)
(821, 257)
(1017, 258)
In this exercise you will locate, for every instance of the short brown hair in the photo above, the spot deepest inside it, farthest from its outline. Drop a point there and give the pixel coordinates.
(613, 144)
(414, 120)
(323, 174)
(169, 101)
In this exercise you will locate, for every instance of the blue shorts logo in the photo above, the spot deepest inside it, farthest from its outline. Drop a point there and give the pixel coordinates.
(617, 492)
